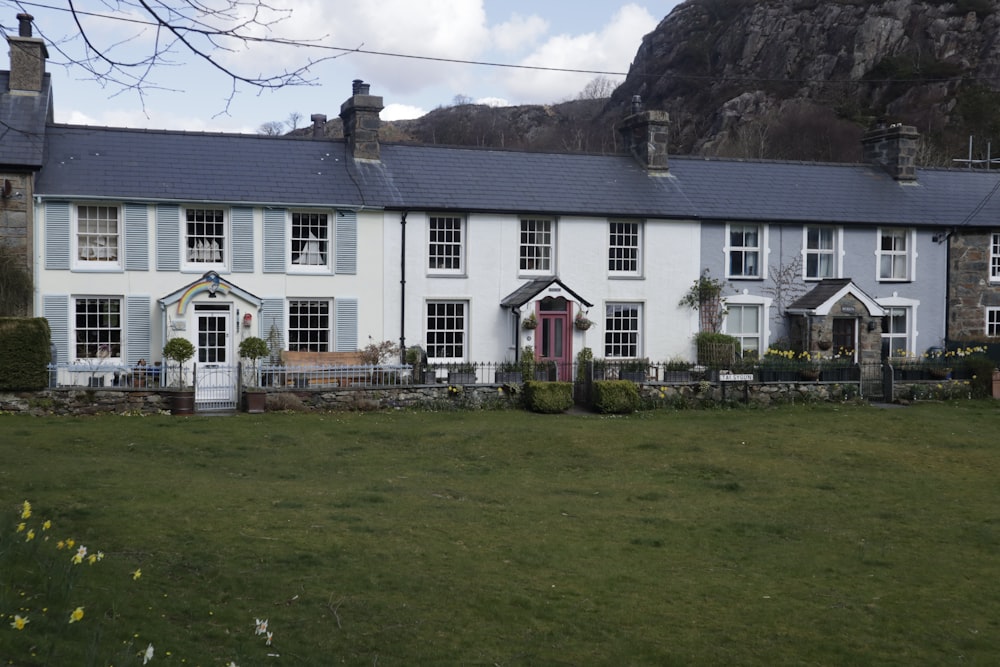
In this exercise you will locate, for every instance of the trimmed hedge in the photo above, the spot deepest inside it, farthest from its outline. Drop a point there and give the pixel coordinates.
(617, 397)
(24, 353)
(548, 397)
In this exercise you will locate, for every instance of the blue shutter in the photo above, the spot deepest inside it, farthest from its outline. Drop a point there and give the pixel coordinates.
(347, 243)
(345, 315)
(57, 235)
(275, 222)
(272, 313)
(242, 231)
(138, 342)
(55, 308)
(168, 237)
(136, 237)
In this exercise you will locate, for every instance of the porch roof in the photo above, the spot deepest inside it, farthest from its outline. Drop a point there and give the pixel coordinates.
(205, 283)
(821, 299)
(533, 288)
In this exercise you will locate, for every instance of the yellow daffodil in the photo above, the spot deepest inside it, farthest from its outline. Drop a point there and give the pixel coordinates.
(91, 559)
(21, 526)
(26, 510)
(60, 545)
(77, 615)
(137, 574)
(46, 525)
(70, 543)
(30, 536)
(19, 622)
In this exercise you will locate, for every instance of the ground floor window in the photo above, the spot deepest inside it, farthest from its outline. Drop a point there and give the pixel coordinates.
(896, 332)
(993, 322)
(446, 327)
(622, 328)
(309, 325)
(743, 323)
(98, 328)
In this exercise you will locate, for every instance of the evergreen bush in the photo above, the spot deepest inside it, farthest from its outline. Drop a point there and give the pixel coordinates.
(617, 397)
(548, 397)
(24, 353)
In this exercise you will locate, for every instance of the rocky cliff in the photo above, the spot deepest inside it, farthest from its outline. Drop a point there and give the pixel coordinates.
(799, 78)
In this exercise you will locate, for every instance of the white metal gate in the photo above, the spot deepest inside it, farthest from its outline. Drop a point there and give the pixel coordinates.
(216, 377)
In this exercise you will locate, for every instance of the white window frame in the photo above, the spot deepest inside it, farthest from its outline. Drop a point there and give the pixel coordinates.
(833, 252)
(992, 322)
(460, 333)
(615, 336)
(764, 304)
(202, 259)
(621, 253)
(299, 249)
(905, 258)
(995, 257)
(97, 358)
(440, 239)
(98, 248)
(760, 249)
(294, 304)
(541, 252)
(910, 306)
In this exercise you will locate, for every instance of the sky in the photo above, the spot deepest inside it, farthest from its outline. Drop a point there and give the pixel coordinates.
(188, 94)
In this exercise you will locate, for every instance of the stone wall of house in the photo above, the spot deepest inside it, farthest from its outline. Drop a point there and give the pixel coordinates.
(969, 290)
(15, 221)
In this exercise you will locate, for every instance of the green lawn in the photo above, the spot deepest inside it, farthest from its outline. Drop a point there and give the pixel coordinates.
(810, 535)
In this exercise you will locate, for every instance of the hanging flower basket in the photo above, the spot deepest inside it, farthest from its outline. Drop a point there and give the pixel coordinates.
(530, 322)
(582, 323)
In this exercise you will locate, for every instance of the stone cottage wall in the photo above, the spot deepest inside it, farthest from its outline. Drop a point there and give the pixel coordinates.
(969, 290)
(15, 221)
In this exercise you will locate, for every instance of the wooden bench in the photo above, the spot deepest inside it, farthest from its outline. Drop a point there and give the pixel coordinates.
(323, 368)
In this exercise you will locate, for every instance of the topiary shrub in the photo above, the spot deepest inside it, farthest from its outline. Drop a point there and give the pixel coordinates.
(24, 353)
(548, 397)
(617, 397)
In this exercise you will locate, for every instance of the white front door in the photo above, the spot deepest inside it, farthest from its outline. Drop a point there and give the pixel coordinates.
(215, 385)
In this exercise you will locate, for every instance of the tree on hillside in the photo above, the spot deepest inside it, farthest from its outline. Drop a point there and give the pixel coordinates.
(149, 35)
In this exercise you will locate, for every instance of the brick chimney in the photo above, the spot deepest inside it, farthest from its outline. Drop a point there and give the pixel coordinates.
(894, 148)
(361, 122)
(644, 134)
(27, 58)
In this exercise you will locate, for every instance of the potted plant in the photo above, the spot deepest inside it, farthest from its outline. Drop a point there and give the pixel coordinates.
(254, 396)
(530, 322)
(635, 370)
(462, 374)
(527, 362)
(677, 370)
(508, 372)
(182, 395)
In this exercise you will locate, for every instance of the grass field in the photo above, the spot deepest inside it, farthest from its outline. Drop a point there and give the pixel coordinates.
(812, 535)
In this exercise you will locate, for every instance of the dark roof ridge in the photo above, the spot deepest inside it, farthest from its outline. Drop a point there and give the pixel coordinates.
(197, 133)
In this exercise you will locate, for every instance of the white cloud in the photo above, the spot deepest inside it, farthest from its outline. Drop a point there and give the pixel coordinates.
(401, 112)
(493, 101)
(610, 50)
(519, 31)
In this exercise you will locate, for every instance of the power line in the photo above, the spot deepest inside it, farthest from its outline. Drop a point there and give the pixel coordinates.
(484, 63)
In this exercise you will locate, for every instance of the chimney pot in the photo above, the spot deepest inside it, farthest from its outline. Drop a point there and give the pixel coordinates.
(24, 25)
(356, 86)
(319, 124)
(636, 104)
(361, 122)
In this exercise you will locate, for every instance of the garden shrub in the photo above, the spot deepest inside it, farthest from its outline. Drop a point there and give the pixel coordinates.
(548, 397)
(24, 353)
(617, 397)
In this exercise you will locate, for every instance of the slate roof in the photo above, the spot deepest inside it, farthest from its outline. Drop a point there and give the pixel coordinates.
(820, 298)
(192, 166)
(22, 125)
(185, 166)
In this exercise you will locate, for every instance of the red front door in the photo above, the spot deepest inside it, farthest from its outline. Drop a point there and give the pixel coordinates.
(554, 344)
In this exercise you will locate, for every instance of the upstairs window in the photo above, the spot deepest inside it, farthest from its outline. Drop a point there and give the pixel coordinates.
(446, 244)
(624, 248)
(744, 251)
(820, 252)
(205, 243)
(98, 237)
(537, 245)
(995, 257)
(895, 254)
(310, 241)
